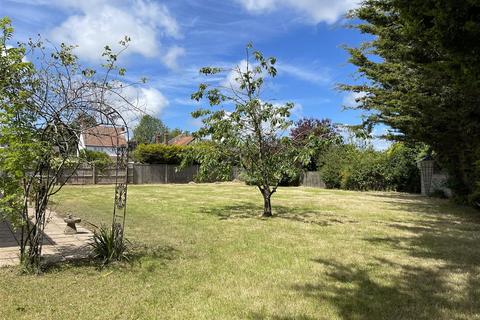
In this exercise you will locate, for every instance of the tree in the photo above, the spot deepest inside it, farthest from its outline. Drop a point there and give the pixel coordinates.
(15, 76)
(323, 130)
(246, 129)
(148, 128)
(172, 133)
(99, 159)
(422, 77)
(40, 108)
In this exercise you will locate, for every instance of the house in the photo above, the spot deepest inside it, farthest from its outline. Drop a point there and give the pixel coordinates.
(181, 140)
(103, 138)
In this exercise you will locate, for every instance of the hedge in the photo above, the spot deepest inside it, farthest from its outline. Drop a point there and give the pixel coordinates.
(159, 154)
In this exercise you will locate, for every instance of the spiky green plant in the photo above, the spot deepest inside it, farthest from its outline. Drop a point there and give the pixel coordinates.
(108, 244)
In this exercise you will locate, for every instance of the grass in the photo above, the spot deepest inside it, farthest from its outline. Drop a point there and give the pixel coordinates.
(325, 255)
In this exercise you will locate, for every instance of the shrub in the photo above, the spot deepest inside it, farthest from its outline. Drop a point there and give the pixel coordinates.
(99, 159)
(215, 164)
(367, 171)
(402, 170)
(474, 197)
(292, 180)
(108, 244)
(159, 154)
(352, 168)
(334, 164)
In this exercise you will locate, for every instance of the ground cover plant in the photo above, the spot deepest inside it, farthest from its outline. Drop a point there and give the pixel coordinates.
(326, 254)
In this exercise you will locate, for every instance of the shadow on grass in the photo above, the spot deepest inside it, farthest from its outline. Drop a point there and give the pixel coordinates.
(444, 232)
(441, 280)
(137, 255)
(417, 294)
(263, 316)
(303, 215)
(157, 252)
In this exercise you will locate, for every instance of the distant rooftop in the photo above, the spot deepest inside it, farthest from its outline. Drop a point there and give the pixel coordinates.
(104, 136)
(181, 140)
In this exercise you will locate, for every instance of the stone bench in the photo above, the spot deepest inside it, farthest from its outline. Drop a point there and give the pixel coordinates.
(71, 222)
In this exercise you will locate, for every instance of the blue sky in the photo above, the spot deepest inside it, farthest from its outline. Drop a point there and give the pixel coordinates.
(172, 39)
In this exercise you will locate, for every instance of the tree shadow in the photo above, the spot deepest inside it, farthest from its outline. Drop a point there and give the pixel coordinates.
(451, 236)
(440, 280)
(263, 316)
(302, 215)
(138, 254)
(357, 295)
(163, 253)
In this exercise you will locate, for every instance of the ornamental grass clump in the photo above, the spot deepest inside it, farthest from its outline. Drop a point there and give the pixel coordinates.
(108, 244)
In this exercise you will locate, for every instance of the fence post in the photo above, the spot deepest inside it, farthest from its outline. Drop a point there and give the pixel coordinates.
(94, 174)
(166, 173)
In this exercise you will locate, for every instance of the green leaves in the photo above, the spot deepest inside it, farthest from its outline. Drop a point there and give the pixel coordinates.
(148, 128)
(210, 70)
(245, 130)
(422, 79)
(197, 96)
(108, 244)
(65, 55)
(159, 154)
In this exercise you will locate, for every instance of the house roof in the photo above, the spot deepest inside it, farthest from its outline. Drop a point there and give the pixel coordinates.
(104, 136)
(181, 140)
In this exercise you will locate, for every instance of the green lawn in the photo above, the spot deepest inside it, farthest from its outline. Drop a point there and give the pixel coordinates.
(325, 255)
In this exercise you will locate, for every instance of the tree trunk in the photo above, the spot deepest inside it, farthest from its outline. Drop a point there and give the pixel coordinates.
(267, 205)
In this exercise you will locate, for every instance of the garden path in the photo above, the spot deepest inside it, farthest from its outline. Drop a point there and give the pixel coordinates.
(57, 245)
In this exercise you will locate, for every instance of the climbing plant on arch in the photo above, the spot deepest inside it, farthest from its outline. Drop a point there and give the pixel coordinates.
(48, 101)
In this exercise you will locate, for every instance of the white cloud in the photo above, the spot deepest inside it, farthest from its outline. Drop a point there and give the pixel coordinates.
(139, 101)
(314, 11)
(229, 80)
(97, 23)
(153, 100)
(350, 100)
(170, 59)
(315, 77)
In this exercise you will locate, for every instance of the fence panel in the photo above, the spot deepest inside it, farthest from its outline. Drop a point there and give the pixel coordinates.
(137, 174)
(313, 179)
(149, 173)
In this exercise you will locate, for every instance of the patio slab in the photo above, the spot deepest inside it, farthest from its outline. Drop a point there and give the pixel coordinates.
(57, 246)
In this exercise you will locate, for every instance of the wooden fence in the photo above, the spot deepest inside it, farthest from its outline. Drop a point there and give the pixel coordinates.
(158, 174)
(312, 179)
(162, 173)
(137, 174)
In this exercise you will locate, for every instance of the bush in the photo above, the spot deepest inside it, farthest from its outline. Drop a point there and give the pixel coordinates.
(108, 244)
(474, 197)
(402, 171)
(334, 164)
(367, 171)
(99, 159)
(214, 163)
(292, 180)
(352, 168)
(159, 154)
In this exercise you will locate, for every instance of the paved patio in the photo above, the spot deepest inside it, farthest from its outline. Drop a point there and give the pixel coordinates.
(57, 245)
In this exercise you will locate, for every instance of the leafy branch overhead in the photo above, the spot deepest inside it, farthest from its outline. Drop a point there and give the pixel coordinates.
(421, 78)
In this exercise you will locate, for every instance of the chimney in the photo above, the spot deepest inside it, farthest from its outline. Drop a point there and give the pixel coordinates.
(157, 138)
(165, 137)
